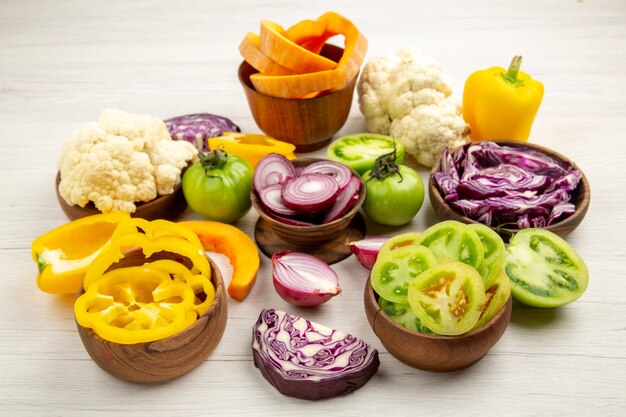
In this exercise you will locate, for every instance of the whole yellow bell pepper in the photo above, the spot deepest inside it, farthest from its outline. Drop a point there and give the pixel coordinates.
(501, 104)
(64, 254)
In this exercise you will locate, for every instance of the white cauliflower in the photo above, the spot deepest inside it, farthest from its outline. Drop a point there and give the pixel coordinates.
(392, 89)
(121, 160)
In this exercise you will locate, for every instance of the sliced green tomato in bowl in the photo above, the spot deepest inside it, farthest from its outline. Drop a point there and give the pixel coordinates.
(545, 271)
(496, 296)
(494, 252)
(448, 298)
(360, 151)
(403, 315)
(394, 270)
(398, 241)
(454, 241)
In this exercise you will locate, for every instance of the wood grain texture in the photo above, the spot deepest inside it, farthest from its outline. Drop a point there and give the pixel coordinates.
(63, 62)
(581, 198)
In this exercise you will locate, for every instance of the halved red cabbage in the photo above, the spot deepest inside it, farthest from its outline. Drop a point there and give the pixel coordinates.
(197, 128)
(307, 360)
(515, 187)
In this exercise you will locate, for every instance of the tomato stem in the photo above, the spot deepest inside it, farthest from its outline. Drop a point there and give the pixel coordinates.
(386, 166)
(214, 159)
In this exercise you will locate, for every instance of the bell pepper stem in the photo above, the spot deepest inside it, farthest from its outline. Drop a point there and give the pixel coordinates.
(511, 74)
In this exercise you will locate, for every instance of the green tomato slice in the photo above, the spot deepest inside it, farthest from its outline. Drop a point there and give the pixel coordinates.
(545, 271)
(360, 151)
(393, 271)
(403, 315)
(454, 241)
(496, 296)
(448, 298)
(494, 252)
(398, 241)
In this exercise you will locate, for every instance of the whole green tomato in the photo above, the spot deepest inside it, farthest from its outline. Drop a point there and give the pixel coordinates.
(394, 194)
(218, 186)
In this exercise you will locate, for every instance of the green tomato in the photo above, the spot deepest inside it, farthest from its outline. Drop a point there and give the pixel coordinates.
(448, 298)
(545, 271)
(496, 297)
(398, 241)
(218, 186)
(394, 270)
(494, 251)
(361, 150)
(403, 315)
(395, 199)
(454, 241)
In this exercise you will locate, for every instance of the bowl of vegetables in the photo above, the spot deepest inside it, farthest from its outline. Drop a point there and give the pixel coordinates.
(308, 201)
(438, 300)
(167, 340)
(509, 186)
(307, 122)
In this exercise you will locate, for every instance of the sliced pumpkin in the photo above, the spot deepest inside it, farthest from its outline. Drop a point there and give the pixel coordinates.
(275, 45)
(249, 49)
(299, 85)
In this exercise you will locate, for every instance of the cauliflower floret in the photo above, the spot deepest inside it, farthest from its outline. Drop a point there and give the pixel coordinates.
(430, 128)
(121, 160)
(393, 87)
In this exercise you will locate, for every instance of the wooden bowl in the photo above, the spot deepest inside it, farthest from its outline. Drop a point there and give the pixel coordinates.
(165, 359)
(580, 198)
(308, 235)
(309, 123)
(167, 207)
(434, 353)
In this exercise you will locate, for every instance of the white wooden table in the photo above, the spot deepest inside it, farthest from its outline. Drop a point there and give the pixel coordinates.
(62, 62)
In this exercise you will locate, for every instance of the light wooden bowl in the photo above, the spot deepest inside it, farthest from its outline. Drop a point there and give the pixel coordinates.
(309, 235)
(310, 123)
(580, 198)
(167, 207)
(434, 353)
(165, 359)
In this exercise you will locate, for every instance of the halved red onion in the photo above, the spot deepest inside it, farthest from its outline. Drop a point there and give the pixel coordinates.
(366, 250)
(270, 198)
(339, 172)
(344, 202)
(303, 280)
(307, 360)
(272, 169)
(309, 192)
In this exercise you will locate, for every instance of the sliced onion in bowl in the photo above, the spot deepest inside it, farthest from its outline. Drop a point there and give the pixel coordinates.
(272, 169)
(339, 172)
(309, 192)
(303, 280)
(272, 202)
(345, 201)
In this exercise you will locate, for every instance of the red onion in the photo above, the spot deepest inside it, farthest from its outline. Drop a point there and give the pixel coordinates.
(309, 192)
(272, 169)
(344, 202)
(270, 198)
(339, 172)
(303, 280)
(366, 250)
(306, 360)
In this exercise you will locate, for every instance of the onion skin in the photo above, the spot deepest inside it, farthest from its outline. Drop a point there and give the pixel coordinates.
(328, 383)
(299, 296)
(366, 250)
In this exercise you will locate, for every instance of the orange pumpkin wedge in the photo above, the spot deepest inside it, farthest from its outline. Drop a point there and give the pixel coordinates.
(275, 45)
(299, 85)
(249, 49)
(309, 34)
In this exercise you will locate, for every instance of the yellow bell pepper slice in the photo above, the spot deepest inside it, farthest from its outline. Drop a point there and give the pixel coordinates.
(136, 305)
(251, 146)
(64, 254)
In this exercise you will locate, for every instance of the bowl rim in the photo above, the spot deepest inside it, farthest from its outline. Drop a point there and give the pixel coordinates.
(582, 187)
(316, 227)
(379, 312)
(247, 84)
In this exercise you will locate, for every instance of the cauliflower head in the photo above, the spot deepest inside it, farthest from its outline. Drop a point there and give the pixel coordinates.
(121, 160)
(393, 87)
